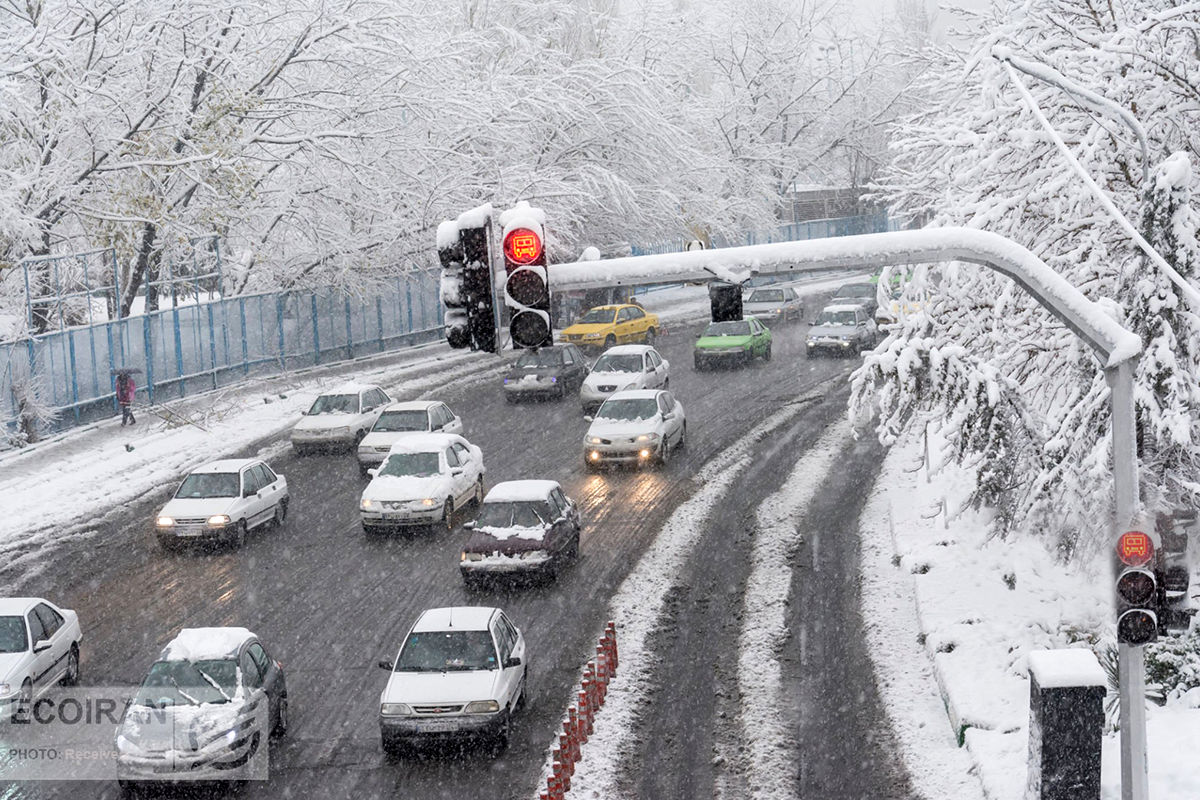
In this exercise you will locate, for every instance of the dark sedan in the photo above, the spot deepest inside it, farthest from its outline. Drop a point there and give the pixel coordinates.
(546, 372)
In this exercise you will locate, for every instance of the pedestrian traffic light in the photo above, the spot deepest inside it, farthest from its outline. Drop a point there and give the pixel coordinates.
(725, 300)
(1137, 589)
(526, 283)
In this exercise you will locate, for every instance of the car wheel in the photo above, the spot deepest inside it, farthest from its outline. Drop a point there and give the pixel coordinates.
(391, 746)
(767, 352)
(682, 437)
(520, 704)
(477, 501)
(280, 513)
(500, 737)
(24, 700)
(698, 363)
(650, 336)
(238, 537)
(448, 514)
(666, 383)
(281, 718)
(573, 549)
(609, 341)
(664, 453)
(71, 677)
(590, 466)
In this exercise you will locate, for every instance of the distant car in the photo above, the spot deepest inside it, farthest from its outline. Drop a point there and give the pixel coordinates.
(401, 419)
(522, 527)
(422, 482)
(861, 294)
(636, 427)
(626, 366)
(460, 672)
(221, 501)
(339, 418)
(205, 710)
(842, 330)
(605, 326)
(549, 371)
(773, 304)
(39, 647)
(731, 343)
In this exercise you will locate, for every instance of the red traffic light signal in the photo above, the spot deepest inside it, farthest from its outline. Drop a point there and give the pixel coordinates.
(527, 286)
(1135, 549)
(523, 246)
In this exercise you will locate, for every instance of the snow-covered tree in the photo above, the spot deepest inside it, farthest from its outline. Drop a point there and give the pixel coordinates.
(1013, 390)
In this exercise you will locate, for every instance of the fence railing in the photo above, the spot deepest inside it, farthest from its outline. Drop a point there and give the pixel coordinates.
(791, 232)
(203, 345)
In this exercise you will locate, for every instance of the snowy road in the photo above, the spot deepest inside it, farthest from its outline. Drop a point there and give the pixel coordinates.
(332, 602)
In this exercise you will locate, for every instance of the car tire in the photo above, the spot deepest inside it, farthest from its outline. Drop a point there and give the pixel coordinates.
(280, 727)
(477, 500)
(520, 704)
(590, 466)
(448, 514)
(24, 701)
(392, 747)
(650, 336)
(280, 517)
(767, 352)
(573, 549)
(699, 364)
(500, 737)
(609, 341)
(71, 677)
(667, 383)
(682, 437)
(238, 537)
(664, 455)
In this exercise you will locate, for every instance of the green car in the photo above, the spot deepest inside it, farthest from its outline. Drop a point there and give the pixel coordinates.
(733, 342)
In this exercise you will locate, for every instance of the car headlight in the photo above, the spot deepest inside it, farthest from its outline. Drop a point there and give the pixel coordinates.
(647, 437)
(342, 431)
(394, 710)
(164, 522)
(218, 520)
(367, 504)
(429, 502)
(482, 707)
(593, 440)
(471, 556)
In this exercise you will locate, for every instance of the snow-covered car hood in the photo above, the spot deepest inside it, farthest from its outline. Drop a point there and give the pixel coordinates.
(608, 429)
(323, 422)
(622, 380)
(188, 507)
(8, 663)
(419, 688)
(386, 438)
(392, 487)
(184, 727)
(831, 330)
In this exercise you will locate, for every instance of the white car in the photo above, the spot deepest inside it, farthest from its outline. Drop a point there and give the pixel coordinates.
(401, 419)
(424, 480)
(39, 647)
(205, 710)
(339, 418)
(460, 672)
(635, 427)
(222, 501)
(627, 366)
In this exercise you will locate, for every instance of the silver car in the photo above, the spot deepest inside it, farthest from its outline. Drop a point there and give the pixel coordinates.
(773, 304)
(842, 330)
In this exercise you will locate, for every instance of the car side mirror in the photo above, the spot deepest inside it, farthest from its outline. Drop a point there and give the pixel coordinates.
(588, 418)
(388, 665)
(668, 415)
(41, 645)
(650, 369)
(469, 525)
(373, 471)
(247, 492)
(456, 472)
(512, 661)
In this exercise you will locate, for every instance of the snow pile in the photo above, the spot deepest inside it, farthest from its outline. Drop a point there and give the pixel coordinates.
(981, 607)
(205, 644)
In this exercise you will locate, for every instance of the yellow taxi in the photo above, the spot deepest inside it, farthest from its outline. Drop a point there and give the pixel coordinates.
(605, 326)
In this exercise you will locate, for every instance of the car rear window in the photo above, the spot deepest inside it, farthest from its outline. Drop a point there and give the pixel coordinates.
(397, 421)
(766, 296)
(523, 514)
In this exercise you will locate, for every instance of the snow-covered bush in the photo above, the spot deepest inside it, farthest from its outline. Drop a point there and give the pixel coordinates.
(1173, 665)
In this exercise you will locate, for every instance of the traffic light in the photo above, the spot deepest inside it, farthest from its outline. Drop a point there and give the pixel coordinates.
(526, 284)
(1137, 589)
(477, 285)
(725, 300)
(450, 254)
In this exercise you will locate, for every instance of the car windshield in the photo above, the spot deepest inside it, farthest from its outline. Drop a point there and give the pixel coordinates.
(12, 635)
(855, 290)
(540, 358)
(731, 328)
(396, 421)
(598, 315)
(415, 465)
(519, 514)
(208, 484)
(628, 409)
(629, 362)
(835, 318)
(188, 683)
(335, 404)
(447, 651)
(766, 296)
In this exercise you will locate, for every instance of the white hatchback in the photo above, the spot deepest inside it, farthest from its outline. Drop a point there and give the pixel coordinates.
(39, 647)
(425, 478)
(222, 501)
(627, 366)
(401, 419)
(635, 427)
(339, 418)
(460, 672)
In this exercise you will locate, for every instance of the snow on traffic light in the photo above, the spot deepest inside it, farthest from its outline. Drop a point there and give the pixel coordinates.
(464, 249)
(526, 284)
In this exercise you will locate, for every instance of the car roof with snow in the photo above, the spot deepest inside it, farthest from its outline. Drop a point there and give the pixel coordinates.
(517, 491)
(226, 465)
(634, 394)
(628, 349)
(205, 644)
(427, 442)
(11, 606)
(413, 405)
(842, 307)
(461, 618)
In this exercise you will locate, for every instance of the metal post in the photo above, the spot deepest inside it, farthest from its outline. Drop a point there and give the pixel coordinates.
(279, 317)
(212, 339)
(316, 331)
(349, 329)
(379, 319)
(1131, 660)
(245, 336)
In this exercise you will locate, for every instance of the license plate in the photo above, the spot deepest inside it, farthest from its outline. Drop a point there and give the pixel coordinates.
(438, 727)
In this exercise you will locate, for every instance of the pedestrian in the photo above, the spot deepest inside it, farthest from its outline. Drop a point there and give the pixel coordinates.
(125, 392)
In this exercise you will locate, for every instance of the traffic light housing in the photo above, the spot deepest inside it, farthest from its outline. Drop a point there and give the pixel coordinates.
(450, 254)
(1138, 596)
(526, 282)
(465, 253)
(725, 300)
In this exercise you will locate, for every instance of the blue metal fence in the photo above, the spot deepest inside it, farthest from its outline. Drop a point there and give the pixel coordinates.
(191, 348)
